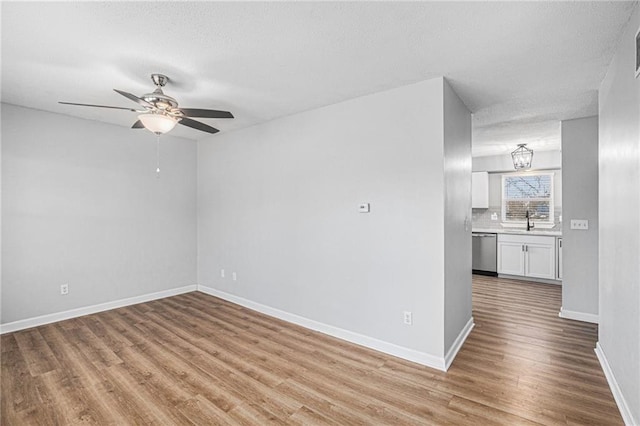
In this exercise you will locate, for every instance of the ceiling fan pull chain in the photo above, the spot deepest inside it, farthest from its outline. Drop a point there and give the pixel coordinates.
(158, 155)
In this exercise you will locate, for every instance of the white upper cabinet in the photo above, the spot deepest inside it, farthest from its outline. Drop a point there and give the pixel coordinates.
(480, 190)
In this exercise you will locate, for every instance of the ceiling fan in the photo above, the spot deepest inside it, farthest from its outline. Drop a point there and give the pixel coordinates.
(161, 112)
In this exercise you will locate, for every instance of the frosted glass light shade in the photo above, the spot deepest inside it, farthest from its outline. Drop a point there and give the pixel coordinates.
(158, 123)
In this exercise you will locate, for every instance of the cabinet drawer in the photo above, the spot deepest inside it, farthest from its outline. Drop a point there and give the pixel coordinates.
(527, 239)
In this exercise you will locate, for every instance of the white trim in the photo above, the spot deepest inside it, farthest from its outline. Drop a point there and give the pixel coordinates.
(637, 37)
(542, 224)
(530, 279)
(578, 316)
(625, 411)
(74, 313)
(350, 336)
(457, 344)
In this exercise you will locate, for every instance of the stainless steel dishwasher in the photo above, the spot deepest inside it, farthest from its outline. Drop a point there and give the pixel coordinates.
(484, 253)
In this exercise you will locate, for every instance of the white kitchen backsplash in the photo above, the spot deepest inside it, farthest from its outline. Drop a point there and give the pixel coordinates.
(482, 218)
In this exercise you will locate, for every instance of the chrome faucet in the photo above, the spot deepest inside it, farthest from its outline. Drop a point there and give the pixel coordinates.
(529, 222)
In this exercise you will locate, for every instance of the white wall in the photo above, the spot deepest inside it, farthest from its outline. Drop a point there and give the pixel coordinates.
(457, 215)
(580, 247)
(619, 254)
(81, 205)
(1, 107)
(278, 205)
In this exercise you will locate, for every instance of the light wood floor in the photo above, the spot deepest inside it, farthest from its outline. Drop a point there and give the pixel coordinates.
(195, 359)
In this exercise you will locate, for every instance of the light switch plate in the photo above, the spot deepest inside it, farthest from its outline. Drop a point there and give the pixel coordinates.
(581, 224)
(364, 208)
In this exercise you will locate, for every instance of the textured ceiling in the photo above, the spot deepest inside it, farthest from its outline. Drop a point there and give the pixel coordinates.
(520, 67)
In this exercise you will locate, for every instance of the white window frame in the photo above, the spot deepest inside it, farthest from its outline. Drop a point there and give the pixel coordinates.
(551, 220)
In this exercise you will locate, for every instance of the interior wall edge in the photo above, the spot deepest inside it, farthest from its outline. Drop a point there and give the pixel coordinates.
(618, 396)
(457, 344)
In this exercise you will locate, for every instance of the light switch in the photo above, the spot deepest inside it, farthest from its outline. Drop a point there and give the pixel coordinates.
(364, 208)
(581, 224)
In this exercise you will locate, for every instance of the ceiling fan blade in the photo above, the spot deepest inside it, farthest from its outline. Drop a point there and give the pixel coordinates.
(138, 125)
(134, 98)
(97, 106)
(205, 113)
(197, 125)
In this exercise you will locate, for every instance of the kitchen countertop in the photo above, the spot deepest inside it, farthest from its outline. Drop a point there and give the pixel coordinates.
(519, 231)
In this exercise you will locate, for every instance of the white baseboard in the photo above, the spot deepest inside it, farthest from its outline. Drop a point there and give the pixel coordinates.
(74, 313)
(578, 316)
(530, 279)
(457, 344)
(440, 363)
(350, 336)
(627, 416)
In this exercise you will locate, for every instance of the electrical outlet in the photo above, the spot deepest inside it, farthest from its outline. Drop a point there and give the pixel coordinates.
(235, 276)
(581, 224)
(221, 273)
(408, 318)
(64, 289)
(494, 216)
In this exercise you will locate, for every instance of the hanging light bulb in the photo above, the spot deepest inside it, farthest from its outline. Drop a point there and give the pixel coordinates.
(158, 123)
(522, 157)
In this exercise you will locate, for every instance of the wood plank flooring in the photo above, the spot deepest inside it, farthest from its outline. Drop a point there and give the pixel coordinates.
(196, 359)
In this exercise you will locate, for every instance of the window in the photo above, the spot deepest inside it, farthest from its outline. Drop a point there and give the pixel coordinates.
(522, 193)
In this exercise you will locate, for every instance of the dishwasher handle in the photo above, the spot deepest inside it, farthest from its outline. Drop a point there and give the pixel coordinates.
(484, 235)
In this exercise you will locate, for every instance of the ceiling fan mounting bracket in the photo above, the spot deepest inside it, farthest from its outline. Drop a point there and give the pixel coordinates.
(160, 80)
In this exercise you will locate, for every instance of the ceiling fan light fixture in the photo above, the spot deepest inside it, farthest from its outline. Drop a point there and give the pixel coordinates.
(522, 157)
(158, 123)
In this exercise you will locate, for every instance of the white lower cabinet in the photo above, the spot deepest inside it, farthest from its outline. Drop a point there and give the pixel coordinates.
(527, 255)
(510, 257)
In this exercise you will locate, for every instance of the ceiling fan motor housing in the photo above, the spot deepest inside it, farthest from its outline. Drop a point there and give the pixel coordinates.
(157, 98)
(160, 100)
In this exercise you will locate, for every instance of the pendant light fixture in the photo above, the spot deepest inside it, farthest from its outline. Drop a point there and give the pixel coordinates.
(522, 157)
(157, 123)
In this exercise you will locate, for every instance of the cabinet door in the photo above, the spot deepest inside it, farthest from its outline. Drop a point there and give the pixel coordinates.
(540, 261)
(480, 190)
(510, 258)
